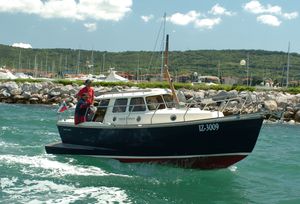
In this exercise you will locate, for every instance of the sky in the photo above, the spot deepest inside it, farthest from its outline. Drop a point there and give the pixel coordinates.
(134, 25)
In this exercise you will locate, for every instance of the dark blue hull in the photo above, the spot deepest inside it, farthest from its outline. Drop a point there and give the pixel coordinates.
(216, 143)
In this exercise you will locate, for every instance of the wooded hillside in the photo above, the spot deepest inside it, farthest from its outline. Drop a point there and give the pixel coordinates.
(224, 63)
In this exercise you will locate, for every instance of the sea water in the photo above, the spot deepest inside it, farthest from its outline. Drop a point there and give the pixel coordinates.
(271, 174)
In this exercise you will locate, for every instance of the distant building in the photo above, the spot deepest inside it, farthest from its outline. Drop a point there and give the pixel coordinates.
(230, 80)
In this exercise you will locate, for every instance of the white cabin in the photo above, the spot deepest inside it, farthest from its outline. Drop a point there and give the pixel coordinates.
(149, 106)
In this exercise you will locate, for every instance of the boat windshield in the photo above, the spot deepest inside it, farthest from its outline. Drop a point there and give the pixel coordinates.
(155, 102)
(169, 100)
(101, 110)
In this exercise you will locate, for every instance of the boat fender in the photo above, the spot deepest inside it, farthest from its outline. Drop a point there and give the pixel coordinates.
(173, 117)
(138, 119)
(114, 119)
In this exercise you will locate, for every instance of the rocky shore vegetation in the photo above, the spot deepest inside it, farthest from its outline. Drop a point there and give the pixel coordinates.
(279, 105)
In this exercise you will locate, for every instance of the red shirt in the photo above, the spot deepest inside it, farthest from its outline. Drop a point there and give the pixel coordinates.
(90, 92)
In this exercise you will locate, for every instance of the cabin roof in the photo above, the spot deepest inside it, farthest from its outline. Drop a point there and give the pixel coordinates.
(134, 93)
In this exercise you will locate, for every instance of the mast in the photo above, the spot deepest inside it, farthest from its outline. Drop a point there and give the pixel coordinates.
(247, 69)
(92, 61)
(288, 67)
(162, 54)
(20, 60)
(35, 66)
(103, 63)
(46, 65)
(78, 62)
(167, 74)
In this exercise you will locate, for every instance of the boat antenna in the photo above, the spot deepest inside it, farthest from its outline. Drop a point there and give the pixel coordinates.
(167, 74)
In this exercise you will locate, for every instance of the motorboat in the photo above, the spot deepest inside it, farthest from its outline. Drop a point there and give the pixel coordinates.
(147, 126)
(152, 126)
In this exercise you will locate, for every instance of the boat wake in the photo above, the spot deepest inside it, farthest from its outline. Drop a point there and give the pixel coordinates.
(29, 191)
(50, 167)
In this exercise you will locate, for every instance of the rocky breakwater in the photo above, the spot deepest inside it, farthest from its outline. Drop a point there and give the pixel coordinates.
(280, 105)
(39, 93)
(276, 105)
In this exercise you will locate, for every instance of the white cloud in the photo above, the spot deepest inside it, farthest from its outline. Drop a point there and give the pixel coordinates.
(256, 7)
(60, 9)
(22, 6)
(199, 20)
(269, 20)
(207, 23)
(147, 18)
(269, 15)
(290, 16)
(22, 45)
(219, 10)
(183, 19)
(90, 26)
(113, 10)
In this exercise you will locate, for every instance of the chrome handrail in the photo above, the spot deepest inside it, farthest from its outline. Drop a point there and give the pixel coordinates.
(243, 102)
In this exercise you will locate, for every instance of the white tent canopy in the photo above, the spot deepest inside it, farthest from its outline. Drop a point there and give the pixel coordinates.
(113, 77)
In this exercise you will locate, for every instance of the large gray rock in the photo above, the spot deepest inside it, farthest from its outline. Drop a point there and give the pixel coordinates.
(4, 93)
(35, 88)
(221, 95)
(297, 116)
(282, 100)
(187, 93)
(26, 87)
(26, 94)
(11, 85)
(271, 105)
(199, 95)
(57, 91)
(233, 93)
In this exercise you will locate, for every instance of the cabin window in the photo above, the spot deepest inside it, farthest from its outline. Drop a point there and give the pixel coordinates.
(120, 105)
(101, 110)
(137, 104)
(155, 102)
(169, 100)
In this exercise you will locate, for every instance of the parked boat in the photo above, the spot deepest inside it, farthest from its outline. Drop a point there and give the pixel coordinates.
(146, 126)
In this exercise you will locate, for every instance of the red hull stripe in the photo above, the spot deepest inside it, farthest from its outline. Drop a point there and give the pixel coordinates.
(194, 162)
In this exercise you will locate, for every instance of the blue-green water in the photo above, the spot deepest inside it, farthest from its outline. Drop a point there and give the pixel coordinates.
(271, 174)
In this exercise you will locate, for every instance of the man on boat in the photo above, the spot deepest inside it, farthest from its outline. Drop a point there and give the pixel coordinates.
(81, 109)
(89, 90)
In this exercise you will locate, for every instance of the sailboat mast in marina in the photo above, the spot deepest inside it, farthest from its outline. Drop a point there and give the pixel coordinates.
(288, 66)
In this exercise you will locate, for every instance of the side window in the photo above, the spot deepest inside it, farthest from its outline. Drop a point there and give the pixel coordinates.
(120, 105)
(155, 102)
(137, 104)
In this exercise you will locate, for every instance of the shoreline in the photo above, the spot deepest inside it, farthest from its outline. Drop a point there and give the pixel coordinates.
(49, 93)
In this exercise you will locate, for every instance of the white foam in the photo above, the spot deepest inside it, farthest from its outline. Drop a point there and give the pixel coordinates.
(55, 168)
(29, 193)
(7, 182)
(6, 144)
(7, 128)
(233, 168)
